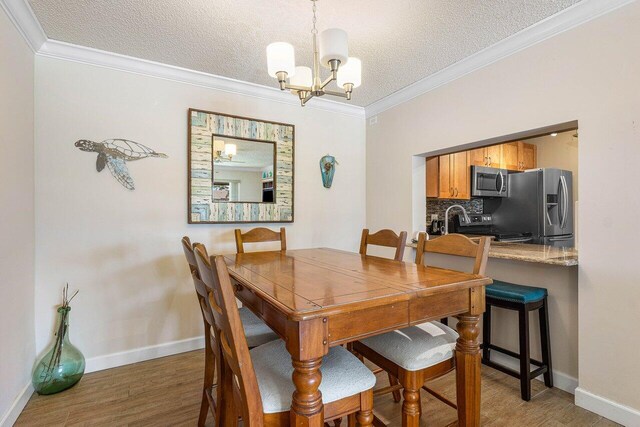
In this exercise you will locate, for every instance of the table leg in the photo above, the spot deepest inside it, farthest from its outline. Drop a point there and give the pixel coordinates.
(306, 407)
(468, 359)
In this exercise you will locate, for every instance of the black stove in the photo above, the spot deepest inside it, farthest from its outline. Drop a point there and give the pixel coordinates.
(482, 225)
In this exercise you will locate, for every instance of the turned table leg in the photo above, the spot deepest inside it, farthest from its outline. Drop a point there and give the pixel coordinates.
(468, 359)
(306, 406)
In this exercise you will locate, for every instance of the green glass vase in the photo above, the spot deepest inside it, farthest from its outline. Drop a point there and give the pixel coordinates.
(63, 364)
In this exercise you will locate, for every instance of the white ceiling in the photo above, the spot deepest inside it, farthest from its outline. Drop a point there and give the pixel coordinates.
(399, 41)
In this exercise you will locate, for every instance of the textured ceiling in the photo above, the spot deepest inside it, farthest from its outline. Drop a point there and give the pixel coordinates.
(399, 41)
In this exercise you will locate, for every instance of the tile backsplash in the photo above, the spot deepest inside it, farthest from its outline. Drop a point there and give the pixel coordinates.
(439, 206)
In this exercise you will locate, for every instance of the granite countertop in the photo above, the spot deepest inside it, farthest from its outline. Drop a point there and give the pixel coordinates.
(541, 254)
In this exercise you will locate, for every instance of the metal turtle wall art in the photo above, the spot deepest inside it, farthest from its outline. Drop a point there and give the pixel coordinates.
(115, 153)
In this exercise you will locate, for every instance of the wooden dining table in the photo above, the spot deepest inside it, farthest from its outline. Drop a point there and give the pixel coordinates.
(319, 298)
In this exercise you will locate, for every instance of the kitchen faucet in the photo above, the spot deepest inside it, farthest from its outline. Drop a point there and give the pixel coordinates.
(446, 217)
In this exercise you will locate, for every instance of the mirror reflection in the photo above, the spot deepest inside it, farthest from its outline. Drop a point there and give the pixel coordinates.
(243, 170)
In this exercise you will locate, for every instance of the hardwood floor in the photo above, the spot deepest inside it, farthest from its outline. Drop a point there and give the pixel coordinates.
(167, 391)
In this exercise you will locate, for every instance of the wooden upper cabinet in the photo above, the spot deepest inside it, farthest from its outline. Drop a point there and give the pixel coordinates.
(461, 173)
(433, 177)
(445, 188)
(494, 156)
(527, 156)
(509, 158)
(478, 157)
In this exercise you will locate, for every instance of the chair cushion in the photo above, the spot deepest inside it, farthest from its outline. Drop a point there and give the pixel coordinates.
(343, 375)
(416, 347)
(515, 293)
(256, 331)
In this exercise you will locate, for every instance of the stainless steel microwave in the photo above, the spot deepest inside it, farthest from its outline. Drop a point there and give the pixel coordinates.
(488, 182)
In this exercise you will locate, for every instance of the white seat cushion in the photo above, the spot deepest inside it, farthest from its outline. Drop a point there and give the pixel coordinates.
(256, 331)
(343, 375)
(415, 347)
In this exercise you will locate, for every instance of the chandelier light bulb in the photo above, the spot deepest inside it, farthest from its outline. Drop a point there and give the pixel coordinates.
(303, 77)
(333, 45)
(350, 73)
(218, 145)
(230, 149)
(281, 58)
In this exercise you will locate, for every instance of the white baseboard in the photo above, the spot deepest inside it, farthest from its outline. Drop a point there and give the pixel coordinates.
(616, 412)
(560, 379)
(10, 417)
(141, 354)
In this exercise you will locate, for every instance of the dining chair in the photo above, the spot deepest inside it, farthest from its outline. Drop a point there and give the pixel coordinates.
(386, 238)
(390, 239)
(420, 353)
(257, 384)
(256, 331)
(260, 234)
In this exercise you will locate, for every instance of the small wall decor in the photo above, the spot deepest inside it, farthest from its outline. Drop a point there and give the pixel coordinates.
(240, 170)
(114, 153)
(62, 365)
(327, 169)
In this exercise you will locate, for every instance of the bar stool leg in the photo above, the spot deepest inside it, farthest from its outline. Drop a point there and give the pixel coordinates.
(525, 357)
(486, 332)
(543, 312)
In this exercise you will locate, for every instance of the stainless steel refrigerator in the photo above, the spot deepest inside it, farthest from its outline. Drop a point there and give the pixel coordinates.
(540, 202)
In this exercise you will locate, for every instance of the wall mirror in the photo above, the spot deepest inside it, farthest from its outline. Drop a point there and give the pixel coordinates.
(239, 169)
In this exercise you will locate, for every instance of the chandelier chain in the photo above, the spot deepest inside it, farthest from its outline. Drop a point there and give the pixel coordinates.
(314, 30)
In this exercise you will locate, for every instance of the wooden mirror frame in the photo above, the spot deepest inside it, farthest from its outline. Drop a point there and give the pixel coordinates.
(201, 208)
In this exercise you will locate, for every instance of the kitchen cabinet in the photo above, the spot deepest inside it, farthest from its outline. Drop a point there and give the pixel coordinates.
(527, 156)
(433, 177)
(453, 176)
(518, 156)
(509, 159)
(485, 156)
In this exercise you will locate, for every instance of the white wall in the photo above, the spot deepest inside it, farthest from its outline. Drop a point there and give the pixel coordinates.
(560, 152)
(122, 248)
(590, 74)
(16, 218)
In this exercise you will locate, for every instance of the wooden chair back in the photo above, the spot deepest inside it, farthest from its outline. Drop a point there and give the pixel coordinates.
(456, 244)
(237, 372)
(260, 234)
(202, 290)
(387, 238)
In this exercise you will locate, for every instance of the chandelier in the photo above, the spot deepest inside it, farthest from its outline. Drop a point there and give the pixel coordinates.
(333, 53)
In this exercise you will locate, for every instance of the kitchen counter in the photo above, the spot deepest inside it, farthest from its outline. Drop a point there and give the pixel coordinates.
(540, 254)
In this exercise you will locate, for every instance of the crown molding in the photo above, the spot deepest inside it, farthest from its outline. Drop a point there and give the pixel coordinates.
(86, 55)
(569, 18)
(25, 21)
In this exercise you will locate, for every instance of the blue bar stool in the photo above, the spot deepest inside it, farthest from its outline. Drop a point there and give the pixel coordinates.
(522, 299)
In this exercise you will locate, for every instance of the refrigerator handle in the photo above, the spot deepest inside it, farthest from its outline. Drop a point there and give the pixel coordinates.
(560, 201)
(565, 203)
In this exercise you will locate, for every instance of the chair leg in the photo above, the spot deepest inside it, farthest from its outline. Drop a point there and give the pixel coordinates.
(337, 422)
(410, 407)
(394, 381)
(351, 420)
(209, 378)
(546, 343)
(525, 357)
(486, 333)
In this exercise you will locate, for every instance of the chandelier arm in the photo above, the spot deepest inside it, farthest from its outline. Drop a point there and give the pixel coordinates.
(300, 88)
(327, 81)
(308, 97)
(334, 93)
